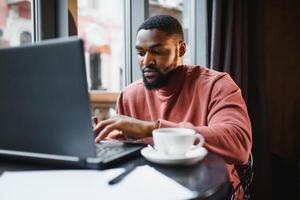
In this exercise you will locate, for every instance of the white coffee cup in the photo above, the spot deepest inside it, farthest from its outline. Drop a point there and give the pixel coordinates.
(176, 141)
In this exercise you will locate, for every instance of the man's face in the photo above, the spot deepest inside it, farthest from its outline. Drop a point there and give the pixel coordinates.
(158, 54)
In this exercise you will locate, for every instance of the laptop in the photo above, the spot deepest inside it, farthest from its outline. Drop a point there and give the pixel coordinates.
(45, 110)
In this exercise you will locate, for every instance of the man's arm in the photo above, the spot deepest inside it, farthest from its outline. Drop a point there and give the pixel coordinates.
(129, 127)
(229, 141)
(228, 132)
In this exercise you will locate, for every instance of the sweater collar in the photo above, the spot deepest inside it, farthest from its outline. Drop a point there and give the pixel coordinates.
(174, 84)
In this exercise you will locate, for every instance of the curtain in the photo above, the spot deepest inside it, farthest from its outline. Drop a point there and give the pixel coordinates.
(235, 38)
(228, 39)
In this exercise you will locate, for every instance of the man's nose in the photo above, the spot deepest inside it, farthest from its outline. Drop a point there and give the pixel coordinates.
(148, 59)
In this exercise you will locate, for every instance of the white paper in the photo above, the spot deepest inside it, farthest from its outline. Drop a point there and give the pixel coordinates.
(147, 183)
(142, 183)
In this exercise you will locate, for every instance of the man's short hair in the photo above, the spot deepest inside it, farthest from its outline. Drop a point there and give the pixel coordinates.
(165, 23)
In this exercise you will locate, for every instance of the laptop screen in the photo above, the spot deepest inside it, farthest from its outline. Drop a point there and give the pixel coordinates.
(44, 99)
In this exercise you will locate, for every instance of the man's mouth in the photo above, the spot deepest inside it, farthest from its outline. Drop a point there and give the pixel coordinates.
(150, 74)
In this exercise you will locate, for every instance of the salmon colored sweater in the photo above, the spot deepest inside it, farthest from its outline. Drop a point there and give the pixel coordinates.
(202, 99)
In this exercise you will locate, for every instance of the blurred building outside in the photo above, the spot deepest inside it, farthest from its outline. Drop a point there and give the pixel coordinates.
(15, 23)
(100, 25)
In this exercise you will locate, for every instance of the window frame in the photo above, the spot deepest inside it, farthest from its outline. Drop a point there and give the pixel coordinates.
(201, 28)
(51, 18)
(132, 23)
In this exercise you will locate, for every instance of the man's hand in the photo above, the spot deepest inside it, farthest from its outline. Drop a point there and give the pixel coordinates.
(129, 127)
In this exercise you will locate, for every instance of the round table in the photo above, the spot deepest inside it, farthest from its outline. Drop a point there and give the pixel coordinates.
(209, 177)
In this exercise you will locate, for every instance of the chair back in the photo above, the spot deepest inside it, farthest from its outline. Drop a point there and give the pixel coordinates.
(245, 173)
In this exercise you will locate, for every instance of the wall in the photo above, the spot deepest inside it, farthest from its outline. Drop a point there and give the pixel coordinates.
(282, 53)
(283, 74)
(274, 78)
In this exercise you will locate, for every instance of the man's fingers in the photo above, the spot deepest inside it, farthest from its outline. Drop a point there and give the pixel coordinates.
(106, 131)
(102, 124)
(119, 136)
(116, 135)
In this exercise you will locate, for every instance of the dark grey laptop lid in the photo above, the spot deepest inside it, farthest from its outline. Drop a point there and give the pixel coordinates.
(44, 105)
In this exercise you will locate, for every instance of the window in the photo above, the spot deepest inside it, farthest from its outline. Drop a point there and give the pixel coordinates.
(192, 14)
(16, 26)
(179, 9)
(101, 26)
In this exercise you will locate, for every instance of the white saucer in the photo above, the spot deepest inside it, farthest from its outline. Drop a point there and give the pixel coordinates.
(191, 157)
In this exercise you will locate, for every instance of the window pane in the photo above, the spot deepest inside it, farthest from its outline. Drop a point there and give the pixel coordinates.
(178, 9)
(16, 26)
(101, 26)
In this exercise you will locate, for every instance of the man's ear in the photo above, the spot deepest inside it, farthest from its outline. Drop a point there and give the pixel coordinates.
(182, 48)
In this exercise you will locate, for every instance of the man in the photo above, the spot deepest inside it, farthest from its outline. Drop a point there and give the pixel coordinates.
(175, 95)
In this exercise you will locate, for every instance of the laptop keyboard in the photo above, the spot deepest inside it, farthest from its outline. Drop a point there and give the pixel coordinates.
(107, 150)
(112, 151)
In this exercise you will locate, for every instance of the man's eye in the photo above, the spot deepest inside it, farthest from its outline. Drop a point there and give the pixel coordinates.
(157, 53)
(141, 53)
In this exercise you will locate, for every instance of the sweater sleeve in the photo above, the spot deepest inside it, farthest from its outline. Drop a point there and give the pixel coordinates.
(228, 131)
(119, 104)
(122, 106)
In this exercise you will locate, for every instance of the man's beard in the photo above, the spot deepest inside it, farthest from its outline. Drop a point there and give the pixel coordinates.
(160, 81)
